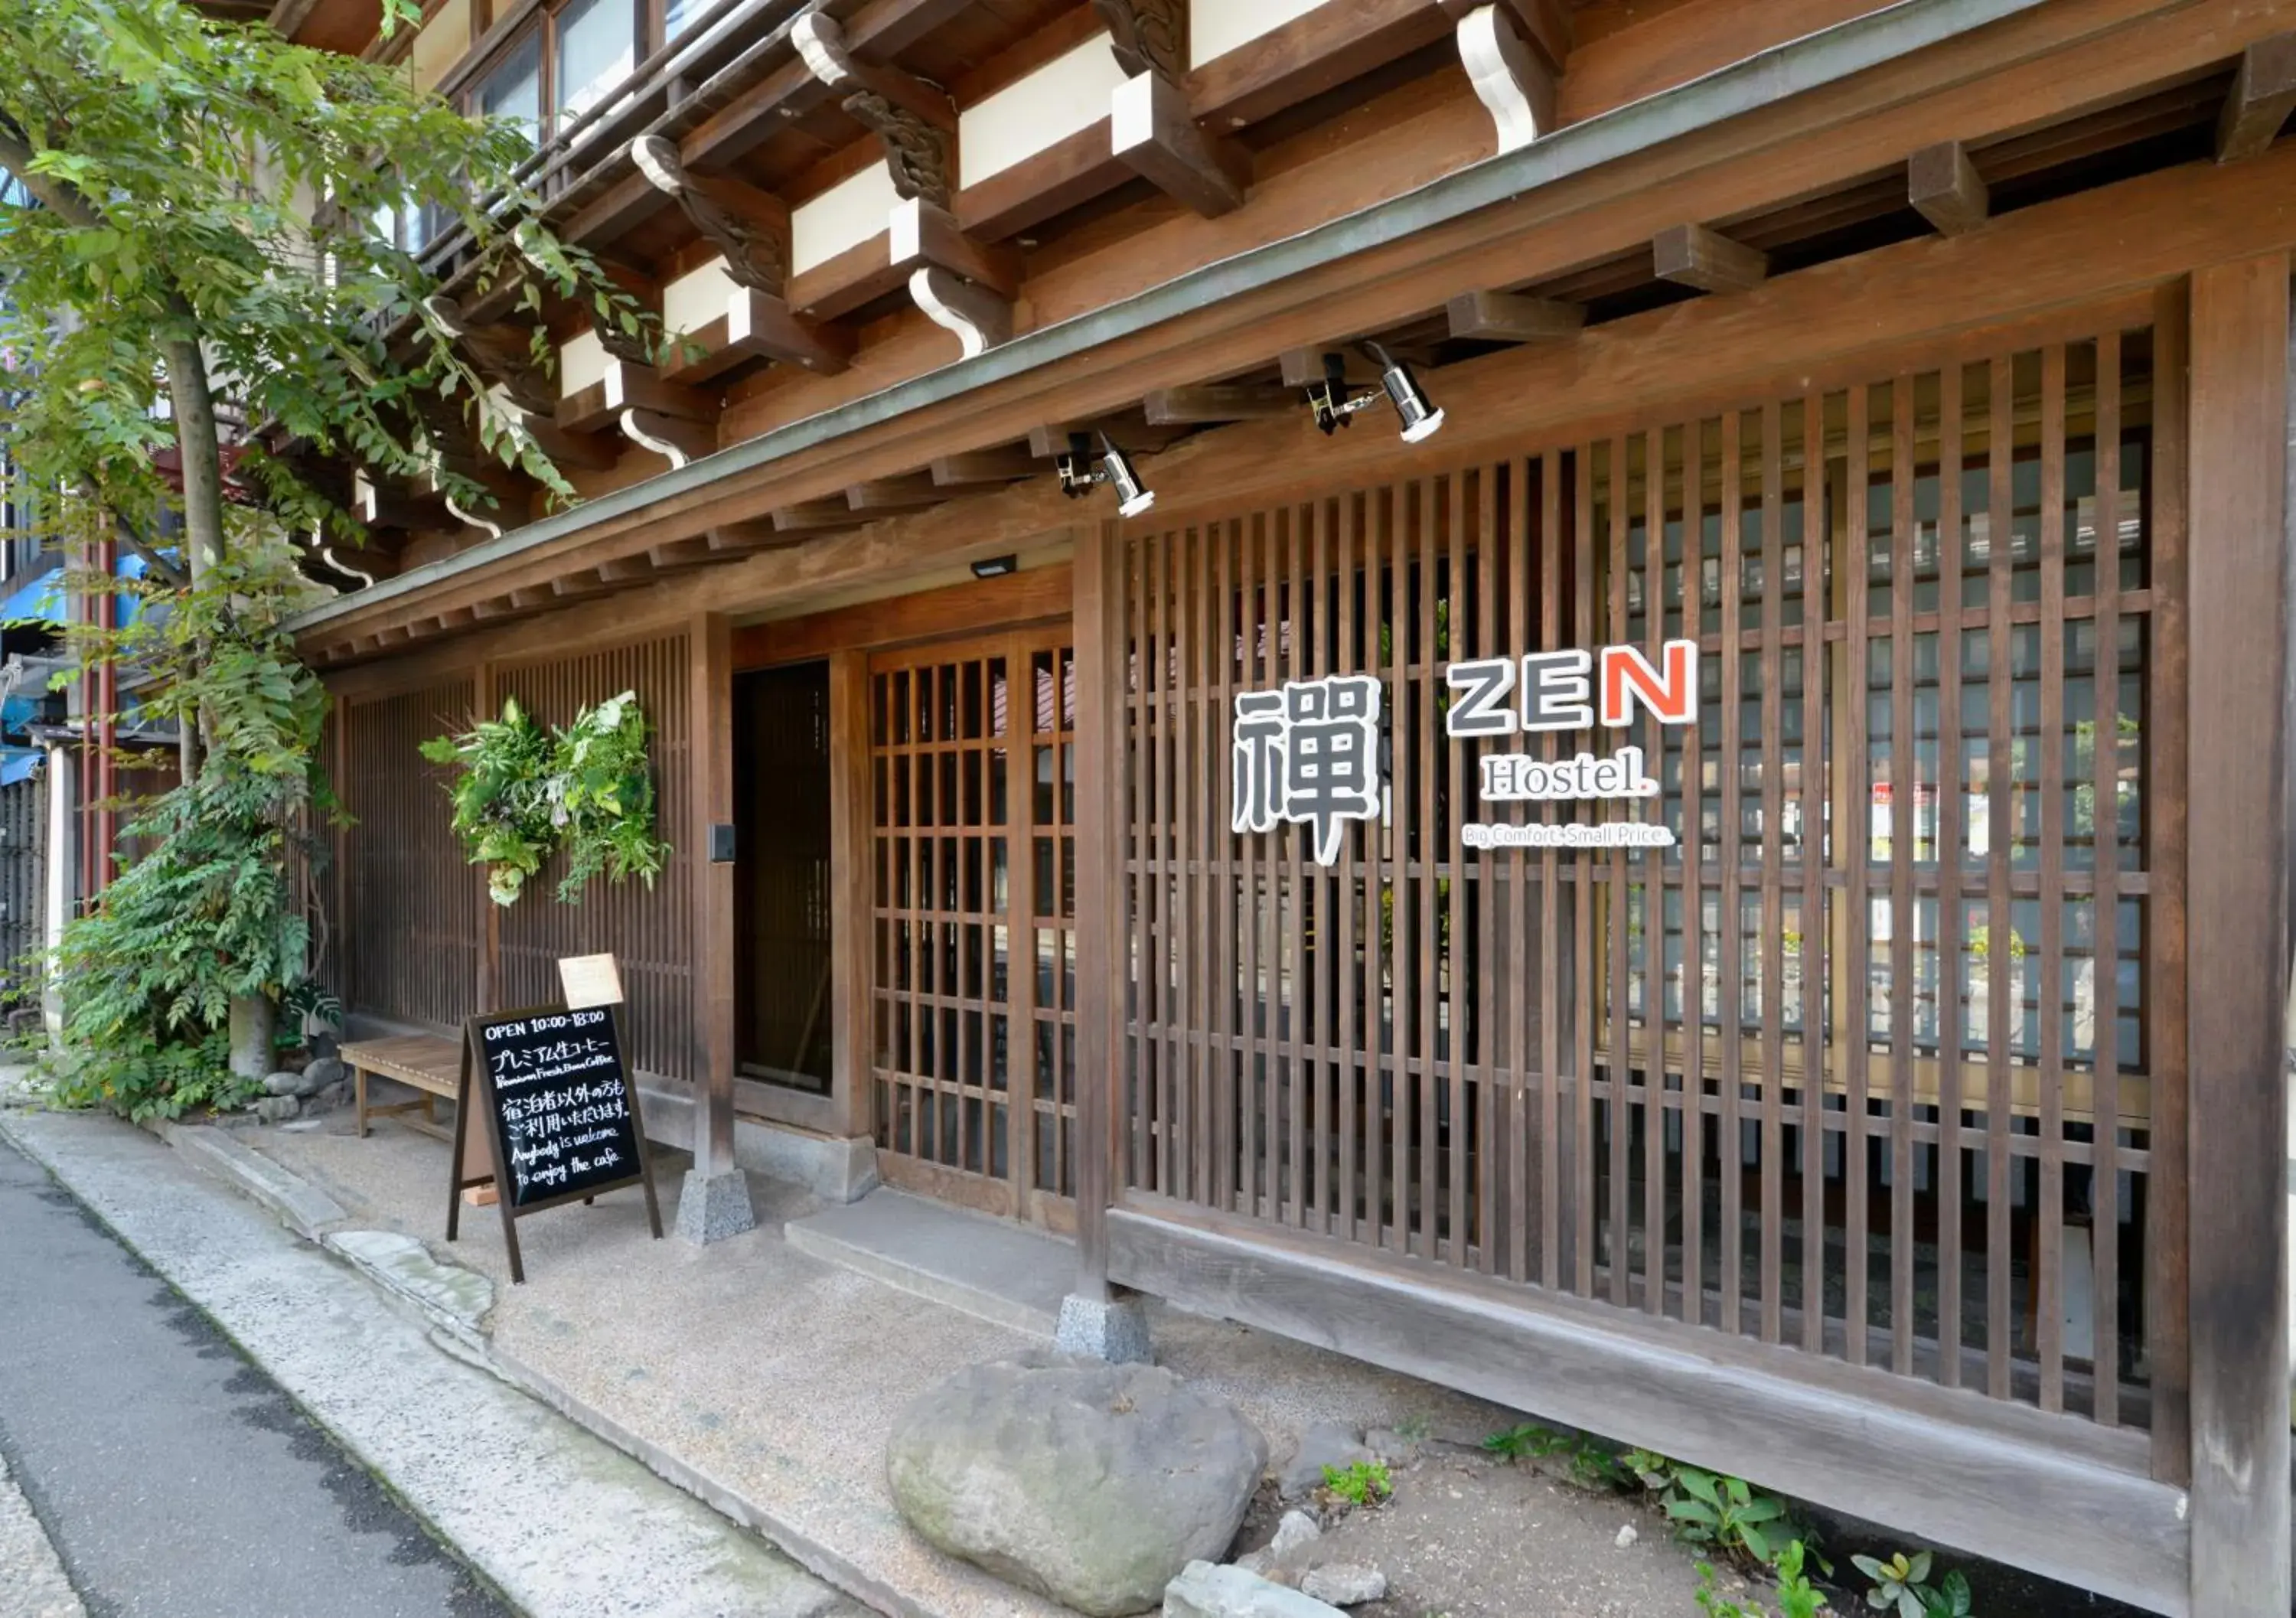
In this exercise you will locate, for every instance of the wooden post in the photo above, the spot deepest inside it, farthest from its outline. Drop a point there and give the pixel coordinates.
(852, 896)
(2239, 958)
(484, 701)
(710, 663)
(1102, 681)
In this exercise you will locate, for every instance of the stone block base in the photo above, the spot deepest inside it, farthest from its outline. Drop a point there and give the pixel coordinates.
(712, 1207)
(1114, 1329)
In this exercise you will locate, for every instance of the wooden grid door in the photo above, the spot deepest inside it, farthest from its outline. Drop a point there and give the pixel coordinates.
(973, 971)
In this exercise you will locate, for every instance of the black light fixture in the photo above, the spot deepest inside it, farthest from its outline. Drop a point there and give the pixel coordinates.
(1334, 403)
(1080, 475)
(995, 567)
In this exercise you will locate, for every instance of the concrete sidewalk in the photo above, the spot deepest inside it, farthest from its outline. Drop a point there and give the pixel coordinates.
(756, 1373)
(557, 1520)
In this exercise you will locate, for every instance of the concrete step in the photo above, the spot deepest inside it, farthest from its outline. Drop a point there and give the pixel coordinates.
(1008, 1274)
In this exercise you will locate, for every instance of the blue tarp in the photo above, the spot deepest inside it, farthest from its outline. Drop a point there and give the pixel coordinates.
(18, 764)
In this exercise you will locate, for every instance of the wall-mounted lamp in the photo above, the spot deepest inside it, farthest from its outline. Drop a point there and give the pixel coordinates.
(995, 567)
(1078, 475)
(1335, 403)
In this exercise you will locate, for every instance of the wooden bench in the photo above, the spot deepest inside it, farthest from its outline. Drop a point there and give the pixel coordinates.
(429, 1063)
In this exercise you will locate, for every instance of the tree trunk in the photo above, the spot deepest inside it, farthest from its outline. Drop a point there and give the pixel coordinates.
(253, 1020)
(193, 408)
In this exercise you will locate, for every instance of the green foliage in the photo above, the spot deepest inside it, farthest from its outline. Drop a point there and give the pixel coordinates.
(210, 910)
(1902, 1587)
(1526, 1441)
(180, 162)
(1361, 1484)
(1711, 1510)
(1797, 1596)
(501, 795)
(521, 794)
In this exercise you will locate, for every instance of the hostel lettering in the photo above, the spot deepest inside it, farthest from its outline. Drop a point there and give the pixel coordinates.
(1552, 691)
(1309, 754)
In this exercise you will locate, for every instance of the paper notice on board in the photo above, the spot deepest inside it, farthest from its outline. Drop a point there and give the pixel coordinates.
(589, 980)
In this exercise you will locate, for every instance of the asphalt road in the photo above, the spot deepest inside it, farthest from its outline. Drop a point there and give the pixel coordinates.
(173, 1477)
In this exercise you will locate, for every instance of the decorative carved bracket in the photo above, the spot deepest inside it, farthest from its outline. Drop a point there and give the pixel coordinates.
(502, 354)
(751, 228)
(979, 317)
(915, 122)
(1147, 36)
(1511, 76)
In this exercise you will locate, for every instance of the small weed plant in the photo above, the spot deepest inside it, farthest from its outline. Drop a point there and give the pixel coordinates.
(1591, 1465)
(1726, 1512)
(1797, 1596)
(1902, 1587)
(1362, 1483)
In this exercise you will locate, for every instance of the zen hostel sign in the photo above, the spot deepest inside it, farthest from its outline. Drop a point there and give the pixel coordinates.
(1309, 752)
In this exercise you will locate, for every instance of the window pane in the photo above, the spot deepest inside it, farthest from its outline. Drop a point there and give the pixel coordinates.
(597, 49)
(514, 89)
(683, 14)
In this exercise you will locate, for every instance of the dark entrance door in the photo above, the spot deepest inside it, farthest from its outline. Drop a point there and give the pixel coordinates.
(781, 931)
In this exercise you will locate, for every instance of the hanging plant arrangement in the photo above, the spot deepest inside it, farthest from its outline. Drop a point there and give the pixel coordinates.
(519, 794)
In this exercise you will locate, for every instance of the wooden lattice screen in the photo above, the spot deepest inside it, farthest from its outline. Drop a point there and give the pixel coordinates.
(973, 977)
(1827, 1072)
(410, 925)
(649, 930)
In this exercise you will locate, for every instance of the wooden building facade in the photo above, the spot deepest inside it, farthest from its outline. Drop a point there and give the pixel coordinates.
(1905, 1129)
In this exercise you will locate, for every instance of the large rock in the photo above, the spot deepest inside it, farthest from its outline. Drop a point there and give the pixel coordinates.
(1204, 1591)
(1094, 1485)
(321, 1072)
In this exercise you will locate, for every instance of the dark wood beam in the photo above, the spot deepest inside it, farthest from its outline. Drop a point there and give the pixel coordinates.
(628, 386)
(1220, 402)
(862, 274)
(1513, 317)
(1946, 189)
(628, 202)
(2263, 90)
(1311, 53)
(807, 516)
(919, 234)
(913, 492)
(627, 570)
(1006, 464)
(502, 353)
(1304, 367)
(1153, 134)
(757, 326)
(576, 587)
(1692, 255)
(588, 451)
(1073, 169)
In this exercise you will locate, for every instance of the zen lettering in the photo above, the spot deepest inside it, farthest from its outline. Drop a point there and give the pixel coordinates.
(1572, 690)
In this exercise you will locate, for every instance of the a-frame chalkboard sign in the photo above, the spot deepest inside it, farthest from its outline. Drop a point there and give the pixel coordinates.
(559, 1113)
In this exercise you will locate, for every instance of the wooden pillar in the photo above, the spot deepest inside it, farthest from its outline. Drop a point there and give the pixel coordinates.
(709, 664)
(485, 701)
(2240, 703)
(1102, 675)
(852, 900)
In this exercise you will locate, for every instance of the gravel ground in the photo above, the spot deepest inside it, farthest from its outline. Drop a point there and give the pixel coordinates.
(32, 1583)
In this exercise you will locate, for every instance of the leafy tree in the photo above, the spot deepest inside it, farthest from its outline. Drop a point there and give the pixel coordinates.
(198, 265)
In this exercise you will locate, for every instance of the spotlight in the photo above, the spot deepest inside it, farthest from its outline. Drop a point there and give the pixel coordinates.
(995, 567)
(1334, 403)
(1078, 475)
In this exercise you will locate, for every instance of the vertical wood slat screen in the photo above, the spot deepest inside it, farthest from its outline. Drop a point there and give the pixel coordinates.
(649, 930)
(972, 771)
(413, 923)
(1865, 1065)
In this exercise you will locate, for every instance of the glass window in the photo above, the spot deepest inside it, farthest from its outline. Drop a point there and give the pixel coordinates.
(513, 90)
(681, 15)
(597, 51)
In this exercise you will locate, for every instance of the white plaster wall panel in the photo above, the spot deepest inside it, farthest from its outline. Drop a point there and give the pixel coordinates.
(581, 361)
(1068, 93)
(1217, 26)
(694, 299)
(847, 213)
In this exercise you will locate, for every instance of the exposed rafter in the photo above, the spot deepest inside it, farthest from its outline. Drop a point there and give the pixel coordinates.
(1692, 255)
(502, 354)
(1218, 402)
(1945, 188)
(1151, 132)
(2263, 93)
(1513, 317)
